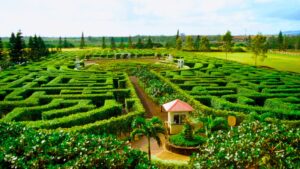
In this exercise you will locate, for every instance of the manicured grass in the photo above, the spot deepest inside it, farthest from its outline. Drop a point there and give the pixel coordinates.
(283, 62)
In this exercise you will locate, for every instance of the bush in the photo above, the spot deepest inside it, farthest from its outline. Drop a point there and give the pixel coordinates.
(169, 164)
(23, 147)
(253, 145)
(180, 140)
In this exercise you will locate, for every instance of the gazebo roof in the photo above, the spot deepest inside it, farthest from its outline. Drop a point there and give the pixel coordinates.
(177, 106)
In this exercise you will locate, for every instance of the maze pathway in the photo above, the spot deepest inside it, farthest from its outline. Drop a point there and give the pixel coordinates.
(52, 95)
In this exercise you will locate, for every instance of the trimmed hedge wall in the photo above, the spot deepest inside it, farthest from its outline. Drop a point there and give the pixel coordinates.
(110, 109)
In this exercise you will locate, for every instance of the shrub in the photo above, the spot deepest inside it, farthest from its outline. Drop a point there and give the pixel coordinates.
(252, 144)
(23, 147)
(181, 140)
(169, 164)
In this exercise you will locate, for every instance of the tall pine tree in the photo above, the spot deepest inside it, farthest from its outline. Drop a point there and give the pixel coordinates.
(1, 49)
(112, 43)
(179, 43)
(139, 44)
(16, 48)
(280, 41)
(12, 52)
(42, 49)
(130, 46)
(103, 43)
(37, 48)
(65, 45)
(197, 43)
(177, 34)
(60, 44)
(149, 43)
(31, 48)
(121, 46)
(82, 42)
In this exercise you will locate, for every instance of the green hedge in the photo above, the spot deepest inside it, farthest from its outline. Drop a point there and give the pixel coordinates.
(110, 109)
(81, 106)
(169, 164)
(34, 113)
(33, 100)
(179, 140)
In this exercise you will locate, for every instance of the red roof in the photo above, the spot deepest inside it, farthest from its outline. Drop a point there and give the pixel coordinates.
(177, 106)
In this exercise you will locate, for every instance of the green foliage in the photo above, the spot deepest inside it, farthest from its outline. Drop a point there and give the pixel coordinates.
(149, 43)
(280, 41)
(122, 45)
(181, 140)
(82, 41)
(150, 128)
(37, 48)
(23, 147)
(187, 131)
(1, 49)
(139, 44)
(252, 144)
(169, 164)
(197, 43)
(179, 43)
(16, 48)
(258, 46)
(227, 39)
(211, 124)
(60, 44)
(189, 43)
(67, 44)
(130, 45)
(204, 44)
(112, 43)
(103, 43)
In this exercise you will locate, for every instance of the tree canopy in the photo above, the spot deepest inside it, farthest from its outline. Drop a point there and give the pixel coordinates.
(189, 43)
(227, 40)
(82, 41)
(259, 47)
(179, 43)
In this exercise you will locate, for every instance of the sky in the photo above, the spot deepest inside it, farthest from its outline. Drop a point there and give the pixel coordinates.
(147, 17)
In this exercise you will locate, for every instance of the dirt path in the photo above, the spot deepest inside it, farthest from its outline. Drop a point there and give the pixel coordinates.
(152, 109)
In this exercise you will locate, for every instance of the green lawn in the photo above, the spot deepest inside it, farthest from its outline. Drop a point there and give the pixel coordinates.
(284, 62)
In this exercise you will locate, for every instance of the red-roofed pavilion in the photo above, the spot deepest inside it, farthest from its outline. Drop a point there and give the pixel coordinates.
(177, 112)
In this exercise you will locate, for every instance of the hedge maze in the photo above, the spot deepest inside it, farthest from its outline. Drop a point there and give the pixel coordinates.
(239, 88)
(124, 54)
(52, 95)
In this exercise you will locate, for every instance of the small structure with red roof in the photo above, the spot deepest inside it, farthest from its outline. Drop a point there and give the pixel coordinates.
(177, 112)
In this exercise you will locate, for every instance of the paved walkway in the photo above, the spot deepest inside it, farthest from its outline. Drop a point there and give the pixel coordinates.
(152, 109)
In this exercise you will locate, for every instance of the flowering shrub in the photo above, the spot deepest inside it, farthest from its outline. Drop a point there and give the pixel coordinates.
(251, 145)
(22, 147)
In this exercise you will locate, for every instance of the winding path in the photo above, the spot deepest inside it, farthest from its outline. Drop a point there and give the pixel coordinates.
(152, 109)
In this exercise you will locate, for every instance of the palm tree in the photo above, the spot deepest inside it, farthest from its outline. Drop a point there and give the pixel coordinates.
(210, 123)
(150, 128)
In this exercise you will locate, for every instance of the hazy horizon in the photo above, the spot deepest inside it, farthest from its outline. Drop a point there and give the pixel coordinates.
(69, 18)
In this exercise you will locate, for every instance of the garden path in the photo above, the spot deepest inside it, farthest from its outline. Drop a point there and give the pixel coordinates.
(152, 109)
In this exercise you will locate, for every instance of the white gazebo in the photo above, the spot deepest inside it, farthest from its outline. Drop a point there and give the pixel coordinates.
(177, 112)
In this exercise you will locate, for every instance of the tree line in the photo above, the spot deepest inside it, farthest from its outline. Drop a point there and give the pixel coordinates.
(184, 42)
(19, 52)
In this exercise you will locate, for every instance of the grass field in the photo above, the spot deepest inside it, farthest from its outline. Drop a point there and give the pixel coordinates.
(283, 62)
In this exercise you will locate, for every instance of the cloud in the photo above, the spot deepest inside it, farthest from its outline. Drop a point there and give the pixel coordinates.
(124, 17)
